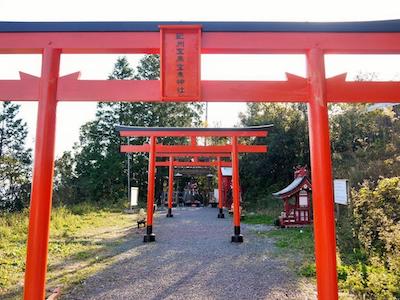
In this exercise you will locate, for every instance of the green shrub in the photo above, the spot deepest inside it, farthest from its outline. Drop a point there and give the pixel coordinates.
(308, 270)
(371, 270)
(377, 220)
(382, 284)
(371, 281)
(352, 278)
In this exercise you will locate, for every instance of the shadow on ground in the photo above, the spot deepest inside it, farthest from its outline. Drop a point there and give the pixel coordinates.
(107, 246)
(194, 259)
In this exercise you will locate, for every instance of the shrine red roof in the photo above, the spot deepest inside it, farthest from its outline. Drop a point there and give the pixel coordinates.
(293, 188)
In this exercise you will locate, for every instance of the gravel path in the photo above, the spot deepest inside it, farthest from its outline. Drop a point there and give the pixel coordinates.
(193, 258)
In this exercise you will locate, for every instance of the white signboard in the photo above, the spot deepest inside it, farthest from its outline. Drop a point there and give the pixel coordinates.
(216, 194)
(341, 191)
(134, 196)
(303, 199)
(226, 171)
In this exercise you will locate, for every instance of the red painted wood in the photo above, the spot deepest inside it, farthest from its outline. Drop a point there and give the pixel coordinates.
(340, 90)
(170, 180)
(194, 149)
(42, 182)
(321, 172)
(295, 89)
(81, 42)
(204, 155)
(109, 90)
(299, 42)
(193, 164)
(212, 42)
(20, 90)
(219, 173)
(180, 62)
(150, 180)
(235, 181)
(194, 134)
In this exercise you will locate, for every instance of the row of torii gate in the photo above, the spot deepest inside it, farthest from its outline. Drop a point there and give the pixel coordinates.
(214, 153)
(180, 45)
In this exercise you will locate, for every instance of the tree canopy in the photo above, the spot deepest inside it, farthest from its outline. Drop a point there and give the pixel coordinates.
(97, 169)
(15, 159)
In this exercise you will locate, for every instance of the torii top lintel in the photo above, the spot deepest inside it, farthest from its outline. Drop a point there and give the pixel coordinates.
(188, 150)
(252, 131)
(363, 26)
(217, 37)
(371, 37)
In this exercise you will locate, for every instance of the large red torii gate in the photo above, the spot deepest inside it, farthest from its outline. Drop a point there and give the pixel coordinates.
(314, 40)
(154, 149)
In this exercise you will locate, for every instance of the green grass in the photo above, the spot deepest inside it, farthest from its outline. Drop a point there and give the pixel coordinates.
(82, 239)
(258, 219)
(297, 246)
(294, 239)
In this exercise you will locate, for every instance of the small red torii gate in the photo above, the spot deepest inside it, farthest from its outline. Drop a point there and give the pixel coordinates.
(154, 149)
(314, 40)
(219, 164)
(171, 163)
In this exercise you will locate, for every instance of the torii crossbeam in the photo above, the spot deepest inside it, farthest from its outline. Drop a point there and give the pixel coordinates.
(172, 163)
(213, 160)
(154, 149)
(181, 80)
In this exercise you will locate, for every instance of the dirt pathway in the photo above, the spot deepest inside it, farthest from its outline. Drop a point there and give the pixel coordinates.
(193, 258)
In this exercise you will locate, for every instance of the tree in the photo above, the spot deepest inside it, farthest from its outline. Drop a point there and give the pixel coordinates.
(365, 149)
(365, 145)
(15, 159)
(100, 168)
(376, 215)
(65, 179)
(262, 174)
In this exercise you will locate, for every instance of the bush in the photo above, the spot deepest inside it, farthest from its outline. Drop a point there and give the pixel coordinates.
(372, 281)
(381, 284)
(308, 270)
(374, 262)
(377, 220)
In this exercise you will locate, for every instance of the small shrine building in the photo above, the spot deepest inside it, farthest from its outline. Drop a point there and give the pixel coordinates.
(297, 200)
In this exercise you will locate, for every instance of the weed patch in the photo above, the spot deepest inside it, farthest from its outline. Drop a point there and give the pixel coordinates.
(80, 236)
(258, 219)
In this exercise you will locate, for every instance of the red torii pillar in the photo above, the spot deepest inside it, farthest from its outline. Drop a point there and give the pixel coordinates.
(321, 173)
(237, 237)
(150, 236)
(220, 205)
(42, 182)
(170, 186)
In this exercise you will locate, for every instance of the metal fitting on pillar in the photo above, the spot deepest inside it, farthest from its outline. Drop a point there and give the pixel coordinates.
(150, 236)
(237, 237)
(169, 214)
